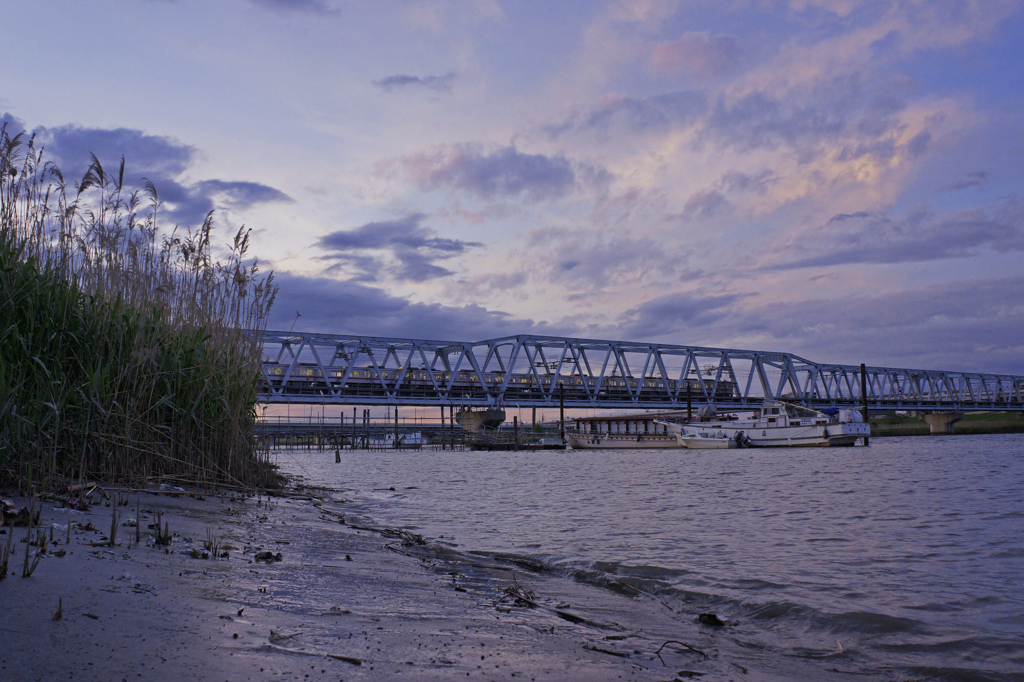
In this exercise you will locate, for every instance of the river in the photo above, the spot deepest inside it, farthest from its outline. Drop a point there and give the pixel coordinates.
(907, 556)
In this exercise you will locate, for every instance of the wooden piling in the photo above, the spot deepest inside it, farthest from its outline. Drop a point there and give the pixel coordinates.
(561, 412)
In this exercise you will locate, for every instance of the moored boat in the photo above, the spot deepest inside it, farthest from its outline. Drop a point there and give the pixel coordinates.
(781, 424)
(621, 431)
(706, 439)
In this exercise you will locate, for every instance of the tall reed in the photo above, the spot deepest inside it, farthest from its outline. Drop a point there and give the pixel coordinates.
(123, 351)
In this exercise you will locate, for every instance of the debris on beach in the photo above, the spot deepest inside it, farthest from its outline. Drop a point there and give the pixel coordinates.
(611, 652)
(10, 515)
(336, 610)
(268, 557)
(276, 636)
(519, 596)
(711, 620)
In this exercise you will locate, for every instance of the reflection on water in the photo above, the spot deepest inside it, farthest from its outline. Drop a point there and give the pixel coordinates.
(908, 555)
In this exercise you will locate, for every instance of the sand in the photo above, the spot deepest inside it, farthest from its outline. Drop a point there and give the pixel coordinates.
(346, 601)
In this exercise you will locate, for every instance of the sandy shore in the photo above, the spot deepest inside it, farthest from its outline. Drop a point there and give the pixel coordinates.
(346, 600)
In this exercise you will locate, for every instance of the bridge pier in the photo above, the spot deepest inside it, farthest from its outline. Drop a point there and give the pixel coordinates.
(941, 423)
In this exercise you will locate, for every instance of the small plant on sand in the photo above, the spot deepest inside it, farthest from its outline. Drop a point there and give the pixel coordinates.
(161, 538)
(212, 544)
(115, 521)
(40, 542)
(5, 554)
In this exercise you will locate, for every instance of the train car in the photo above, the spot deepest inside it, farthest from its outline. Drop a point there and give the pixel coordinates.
(308, 377)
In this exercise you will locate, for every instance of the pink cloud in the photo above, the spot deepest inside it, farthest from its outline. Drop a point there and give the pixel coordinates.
(696, 52)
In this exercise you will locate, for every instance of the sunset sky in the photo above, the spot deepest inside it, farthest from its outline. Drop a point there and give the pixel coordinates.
(841, 179)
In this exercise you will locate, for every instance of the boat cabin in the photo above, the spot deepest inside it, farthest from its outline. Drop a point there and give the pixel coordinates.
(620, 425)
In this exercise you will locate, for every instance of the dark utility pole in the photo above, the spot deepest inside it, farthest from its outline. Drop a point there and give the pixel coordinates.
(864, 398)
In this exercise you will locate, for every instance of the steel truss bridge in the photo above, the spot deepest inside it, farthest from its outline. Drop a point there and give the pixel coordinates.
(547, 371)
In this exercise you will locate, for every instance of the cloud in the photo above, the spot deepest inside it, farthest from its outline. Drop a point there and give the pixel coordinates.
(243, 194)
(706, 203)
(437, 83)
(588, 261)
(696, 52)
(413, 248)
(163, 160)
(314, 6)
(711, 202)
(657, 113)
(70, 147)
(503, 173)
(11, 124)
(333, 306)
(940, 326)
(975, 179)
(971, 325)
(868, 237)
(674, 313)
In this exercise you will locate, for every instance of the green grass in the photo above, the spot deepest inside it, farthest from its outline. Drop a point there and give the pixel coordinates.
(121, 350)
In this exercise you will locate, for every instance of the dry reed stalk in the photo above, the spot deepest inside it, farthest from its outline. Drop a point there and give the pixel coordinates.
(124, 353)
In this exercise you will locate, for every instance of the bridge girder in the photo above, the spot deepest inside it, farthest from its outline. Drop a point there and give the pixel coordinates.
(546, 371)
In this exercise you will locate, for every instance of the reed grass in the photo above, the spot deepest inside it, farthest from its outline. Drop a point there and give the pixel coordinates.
(124, 350)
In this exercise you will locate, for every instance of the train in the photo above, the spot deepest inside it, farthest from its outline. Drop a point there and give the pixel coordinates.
(308, 377)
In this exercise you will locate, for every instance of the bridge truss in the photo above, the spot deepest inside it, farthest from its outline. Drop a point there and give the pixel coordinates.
(545, 371)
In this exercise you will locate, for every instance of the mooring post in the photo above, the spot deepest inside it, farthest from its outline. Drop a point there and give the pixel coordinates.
(396, 427)
(864, 398)
(444, 436)
(515, 433)
(689, 404)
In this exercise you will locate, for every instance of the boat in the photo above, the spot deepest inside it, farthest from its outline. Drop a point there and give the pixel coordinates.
(480, 421)
(780, 424)
(621, 431)
(706, 439)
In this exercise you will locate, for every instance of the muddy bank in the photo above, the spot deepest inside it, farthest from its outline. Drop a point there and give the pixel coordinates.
(302, 588)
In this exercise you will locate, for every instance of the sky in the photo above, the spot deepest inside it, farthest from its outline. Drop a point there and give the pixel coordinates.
(840, 179)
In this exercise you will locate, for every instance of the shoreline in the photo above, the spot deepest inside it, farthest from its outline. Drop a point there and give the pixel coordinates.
(346, 600)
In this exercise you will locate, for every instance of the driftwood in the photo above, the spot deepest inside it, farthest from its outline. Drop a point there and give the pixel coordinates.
(610, 652)
(682, 644)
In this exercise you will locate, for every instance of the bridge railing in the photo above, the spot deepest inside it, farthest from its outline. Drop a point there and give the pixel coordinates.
(546, 371)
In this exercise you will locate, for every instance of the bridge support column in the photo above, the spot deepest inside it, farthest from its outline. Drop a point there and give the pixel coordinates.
(941, 423)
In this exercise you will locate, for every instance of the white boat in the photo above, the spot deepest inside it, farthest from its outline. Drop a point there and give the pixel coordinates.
(706, 439)
(622, 431)
(780, 424)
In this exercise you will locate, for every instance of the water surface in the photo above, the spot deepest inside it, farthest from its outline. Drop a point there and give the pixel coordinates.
(906, 556)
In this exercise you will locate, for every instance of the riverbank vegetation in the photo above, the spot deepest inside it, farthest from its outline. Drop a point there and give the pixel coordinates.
(975, 423)
(122, 350)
